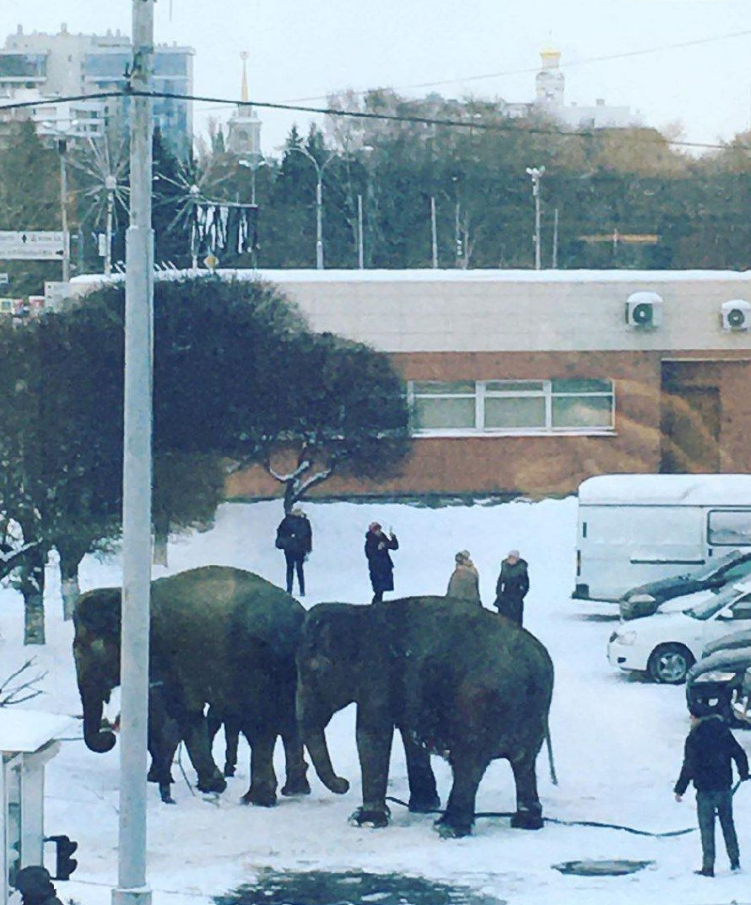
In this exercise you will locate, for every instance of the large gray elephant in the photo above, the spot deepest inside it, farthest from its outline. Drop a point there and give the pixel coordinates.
(453, 678)
(220, 637)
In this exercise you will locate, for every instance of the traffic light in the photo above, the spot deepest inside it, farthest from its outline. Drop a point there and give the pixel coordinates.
(64, 864)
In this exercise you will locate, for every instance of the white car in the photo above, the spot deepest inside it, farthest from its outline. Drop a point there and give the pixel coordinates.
(666, 645)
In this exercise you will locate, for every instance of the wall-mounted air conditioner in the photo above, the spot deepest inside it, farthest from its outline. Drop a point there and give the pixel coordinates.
(644, 310)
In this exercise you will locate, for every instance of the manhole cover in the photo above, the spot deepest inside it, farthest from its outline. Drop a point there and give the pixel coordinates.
(350, 888)
(602, 868)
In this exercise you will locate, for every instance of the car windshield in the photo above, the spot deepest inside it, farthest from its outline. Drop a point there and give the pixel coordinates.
(707, 608)
(709, 570)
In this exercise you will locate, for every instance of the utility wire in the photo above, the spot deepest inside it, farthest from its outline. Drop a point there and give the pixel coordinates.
(640, 136)
(526, 71)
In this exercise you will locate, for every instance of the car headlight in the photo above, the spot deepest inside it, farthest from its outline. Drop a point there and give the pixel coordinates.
(623, 637)
(641, 598)
(715, 676)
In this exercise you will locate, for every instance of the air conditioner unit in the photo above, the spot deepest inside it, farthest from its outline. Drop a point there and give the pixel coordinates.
(644, 310)
(736, 315)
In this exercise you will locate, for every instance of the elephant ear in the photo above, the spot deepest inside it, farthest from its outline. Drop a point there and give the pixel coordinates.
(338, 635)
(99, 612)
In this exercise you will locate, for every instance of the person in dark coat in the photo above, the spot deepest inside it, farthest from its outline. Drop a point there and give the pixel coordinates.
(512, 587)
(36, 887)
(380, 564)
(295, 536)
(709, 752)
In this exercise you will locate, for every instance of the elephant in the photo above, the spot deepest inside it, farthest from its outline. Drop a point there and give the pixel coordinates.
(221, 637)
(453, 678)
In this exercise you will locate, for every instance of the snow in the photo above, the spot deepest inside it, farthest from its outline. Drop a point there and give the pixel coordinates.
(678, 490)
(618, 740)
(86, 281)
(29, 730)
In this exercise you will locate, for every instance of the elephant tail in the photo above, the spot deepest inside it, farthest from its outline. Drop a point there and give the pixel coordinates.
(551, 759)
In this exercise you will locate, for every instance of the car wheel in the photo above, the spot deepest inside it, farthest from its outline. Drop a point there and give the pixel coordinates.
(669, 664)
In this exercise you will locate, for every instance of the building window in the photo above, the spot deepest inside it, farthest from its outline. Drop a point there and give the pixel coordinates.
(584, 406)
(729, 528)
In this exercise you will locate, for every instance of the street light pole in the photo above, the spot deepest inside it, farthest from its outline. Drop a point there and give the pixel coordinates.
(110, 185)
(360, 238)
(137, 474)
(319, 198)
(536, 173)
(433, 233)
(62, 149)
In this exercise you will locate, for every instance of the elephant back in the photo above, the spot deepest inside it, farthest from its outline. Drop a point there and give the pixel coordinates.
(224, 633)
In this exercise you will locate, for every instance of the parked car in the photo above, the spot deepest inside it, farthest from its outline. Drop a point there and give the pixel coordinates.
(666, 645)
(721, 680)
(648, 598)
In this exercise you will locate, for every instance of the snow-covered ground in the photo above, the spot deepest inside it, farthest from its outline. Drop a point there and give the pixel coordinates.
(618, 741)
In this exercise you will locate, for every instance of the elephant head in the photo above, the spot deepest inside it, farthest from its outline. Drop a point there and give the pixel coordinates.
(329, 670)
(96, 650)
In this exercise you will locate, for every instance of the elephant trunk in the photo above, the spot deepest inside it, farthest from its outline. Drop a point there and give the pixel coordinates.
(315, 742)
(93, 706)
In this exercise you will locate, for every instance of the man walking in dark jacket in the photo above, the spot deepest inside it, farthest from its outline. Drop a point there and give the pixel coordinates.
(709, 751)
(380, 564)
(512, 587)
(295, 536)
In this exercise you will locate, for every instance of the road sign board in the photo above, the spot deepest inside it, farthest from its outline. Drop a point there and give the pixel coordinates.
(211, 261)
(56, 293)
(4, 279)
(44, 245)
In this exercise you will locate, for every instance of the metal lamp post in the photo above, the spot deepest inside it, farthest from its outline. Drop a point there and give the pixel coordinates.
(319, 198)
(61, 141)
(110, 185)
(536, 173)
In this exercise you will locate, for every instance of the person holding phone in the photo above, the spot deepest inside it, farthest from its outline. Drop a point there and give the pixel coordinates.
(380, 564)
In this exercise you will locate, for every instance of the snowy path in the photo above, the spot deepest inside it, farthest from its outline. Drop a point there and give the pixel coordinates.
(618, 742)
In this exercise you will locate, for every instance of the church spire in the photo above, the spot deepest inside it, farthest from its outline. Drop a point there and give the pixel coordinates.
(244, 95)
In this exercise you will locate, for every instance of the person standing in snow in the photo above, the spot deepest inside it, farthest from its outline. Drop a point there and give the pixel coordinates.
(707, 762)
(512, 587)
(295, 537)
(380, 564)
(465, 579)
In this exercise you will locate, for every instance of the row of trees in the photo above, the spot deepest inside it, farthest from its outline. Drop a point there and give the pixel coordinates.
(602, 183)
(238, 379)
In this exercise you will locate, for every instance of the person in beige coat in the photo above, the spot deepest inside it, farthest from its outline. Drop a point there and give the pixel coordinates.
(465, 579)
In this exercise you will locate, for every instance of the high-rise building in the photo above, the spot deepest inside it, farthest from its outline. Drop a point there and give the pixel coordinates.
(54, 66)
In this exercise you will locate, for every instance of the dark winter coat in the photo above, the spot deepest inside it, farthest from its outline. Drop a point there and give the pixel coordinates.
(380, 564)
(709, 750)
(294, 535)
(35, 886)
(511, 589)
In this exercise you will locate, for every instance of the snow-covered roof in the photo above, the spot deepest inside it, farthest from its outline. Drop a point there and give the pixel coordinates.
(428, 275)
(29, 730)
(672, 489)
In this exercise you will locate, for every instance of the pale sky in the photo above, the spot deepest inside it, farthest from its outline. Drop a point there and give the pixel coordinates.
(300, 49)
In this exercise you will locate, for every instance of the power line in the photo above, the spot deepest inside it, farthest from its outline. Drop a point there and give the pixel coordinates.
(528, 70)
(640, 136)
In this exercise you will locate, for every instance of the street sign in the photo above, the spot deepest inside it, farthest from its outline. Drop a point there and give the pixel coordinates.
(4, 279)
(56, 293)
(31, 246)
(211, 261)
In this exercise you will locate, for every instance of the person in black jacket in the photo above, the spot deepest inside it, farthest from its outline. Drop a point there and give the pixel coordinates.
(512, 587)
(295, 536)
(380, 564)
(707, 762)
(35, 885)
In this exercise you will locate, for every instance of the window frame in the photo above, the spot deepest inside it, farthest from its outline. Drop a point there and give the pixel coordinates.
(538, 389)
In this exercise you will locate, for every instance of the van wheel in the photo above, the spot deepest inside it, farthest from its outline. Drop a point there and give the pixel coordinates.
(669, 664)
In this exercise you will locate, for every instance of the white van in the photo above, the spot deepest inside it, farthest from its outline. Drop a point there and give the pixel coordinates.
(635, 528)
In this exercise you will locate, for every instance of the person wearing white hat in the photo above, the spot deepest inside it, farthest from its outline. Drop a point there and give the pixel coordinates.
(464, 583)
(512, 587)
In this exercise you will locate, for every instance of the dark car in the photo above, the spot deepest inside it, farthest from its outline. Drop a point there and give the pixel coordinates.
(721, 681)
(647, 598)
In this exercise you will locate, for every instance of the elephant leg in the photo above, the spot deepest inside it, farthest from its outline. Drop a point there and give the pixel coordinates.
(163, 739)
(295, 765)
(374, 752)
(468, 770)
(528, 808)
(231, 738)
(262, 789)
(196, 738)
(423, 793)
